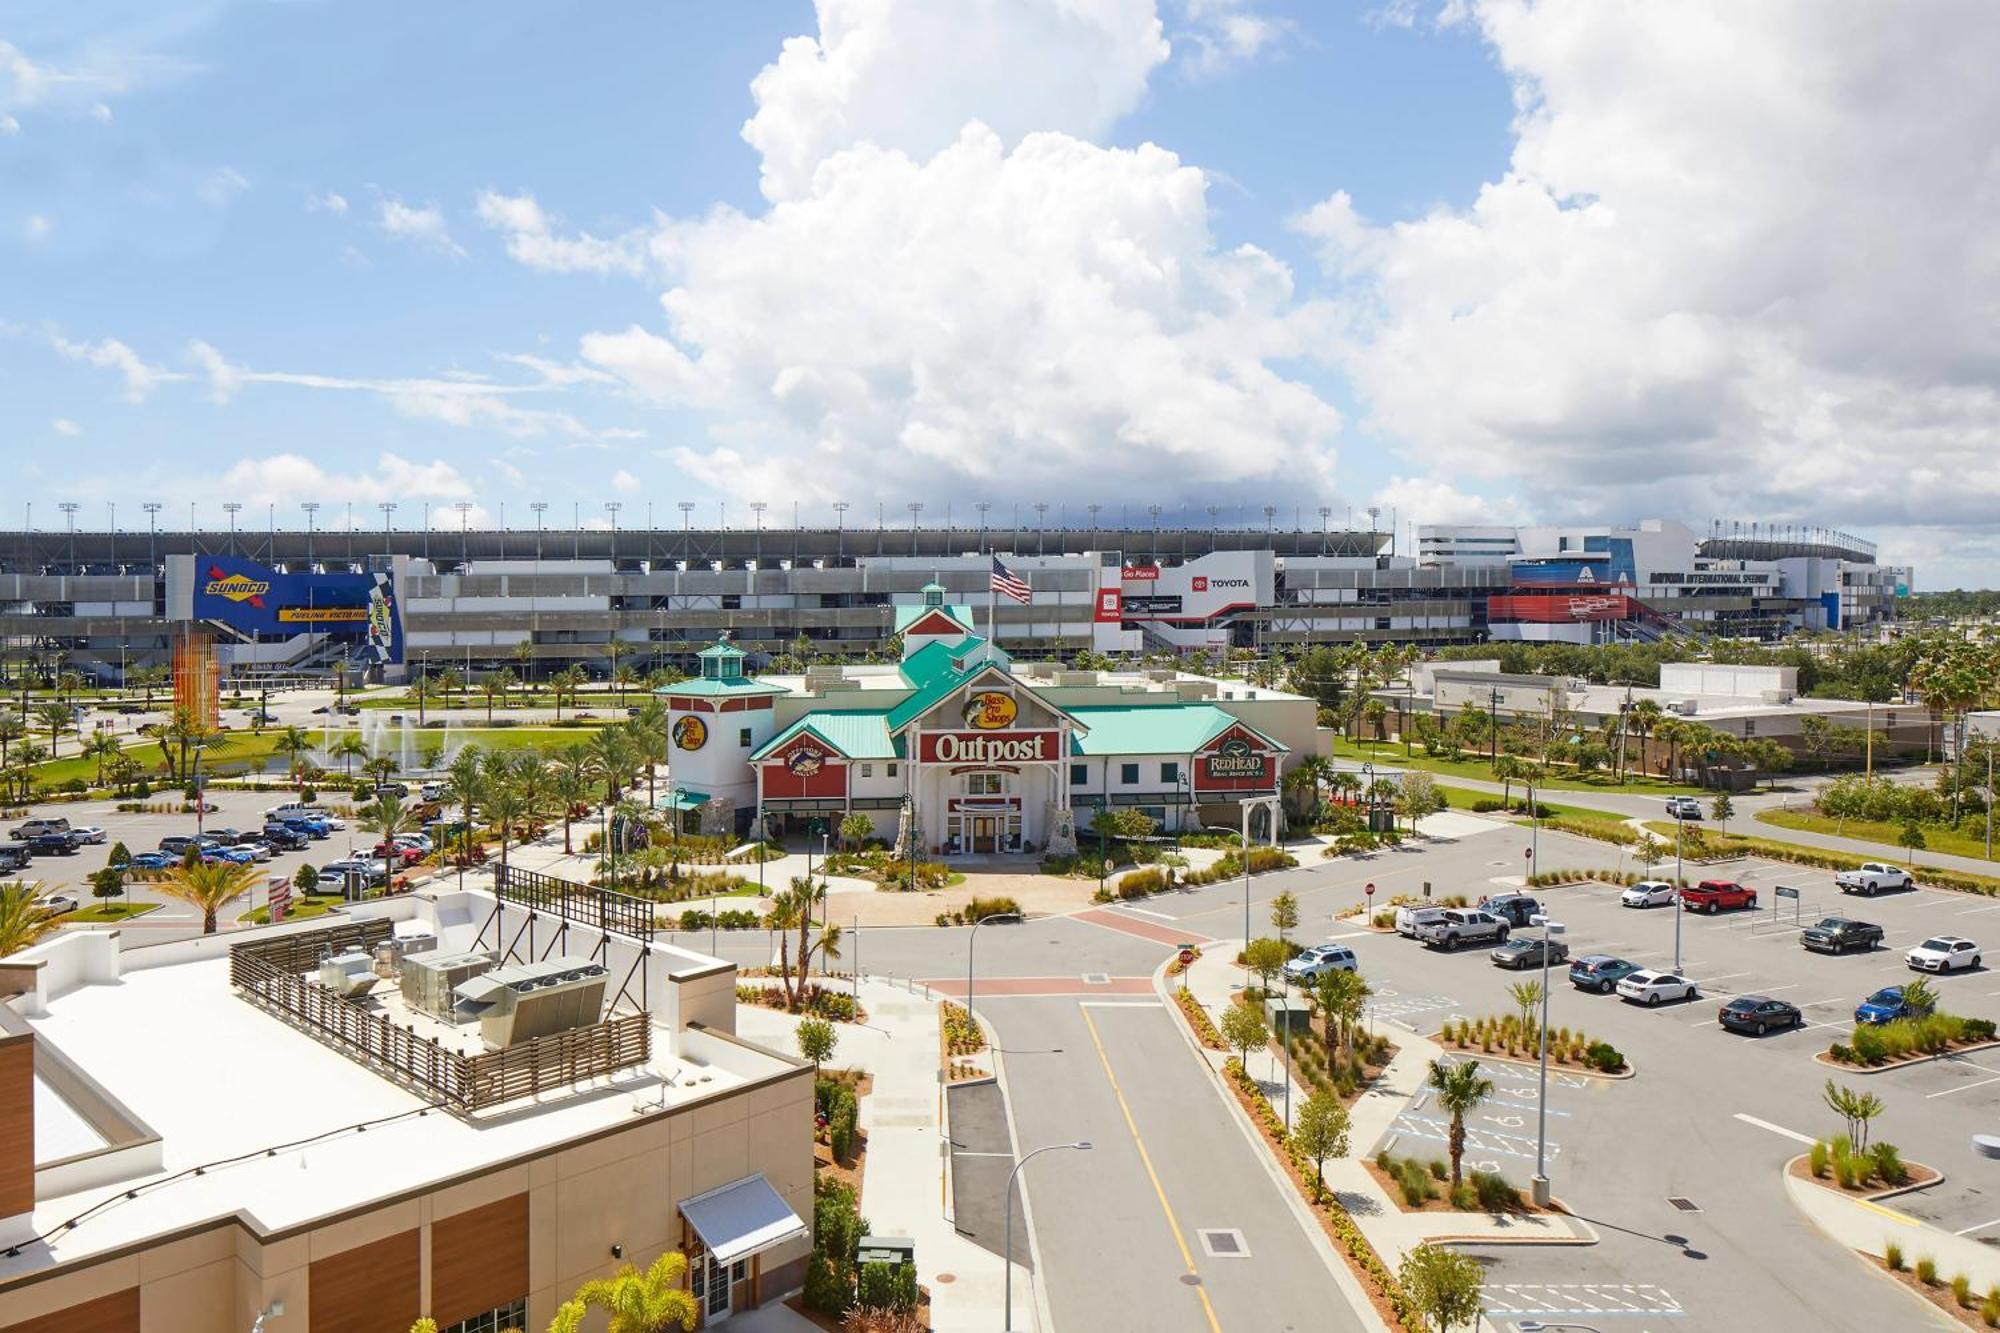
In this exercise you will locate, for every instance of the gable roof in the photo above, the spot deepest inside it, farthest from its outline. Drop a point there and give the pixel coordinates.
(710, 687)
(1117, 729)
(859, 734)
(907, 616)
(934, 672)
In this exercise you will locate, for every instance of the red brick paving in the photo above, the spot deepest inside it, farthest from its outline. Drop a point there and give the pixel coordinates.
(1145, 930)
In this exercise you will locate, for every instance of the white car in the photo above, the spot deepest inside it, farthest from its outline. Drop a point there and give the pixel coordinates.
(1649, 893)
(1651, 988)
(257, 847)
(1943, 953)
(87, 833)
(1318, 958)
(55, 904)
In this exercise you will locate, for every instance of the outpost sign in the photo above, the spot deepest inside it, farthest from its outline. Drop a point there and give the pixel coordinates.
(990, 747)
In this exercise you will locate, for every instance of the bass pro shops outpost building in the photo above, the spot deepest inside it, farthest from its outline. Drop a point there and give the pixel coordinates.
(985, 755)
(460, 1104)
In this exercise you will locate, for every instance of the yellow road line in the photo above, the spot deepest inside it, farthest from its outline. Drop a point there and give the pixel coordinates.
(1173, 1225)
(1890, 1213)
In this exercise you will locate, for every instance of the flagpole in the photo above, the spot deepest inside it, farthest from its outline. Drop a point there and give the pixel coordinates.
(992, 607)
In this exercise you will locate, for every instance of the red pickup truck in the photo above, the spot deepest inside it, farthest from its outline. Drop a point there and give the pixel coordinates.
(1712, 895)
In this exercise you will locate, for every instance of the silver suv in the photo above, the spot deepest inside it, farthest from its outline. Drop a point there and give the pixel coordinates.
(34, 828)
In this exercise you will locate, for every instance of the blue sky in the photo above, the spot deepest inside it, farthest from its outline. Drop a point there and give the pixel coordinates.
(348, 252)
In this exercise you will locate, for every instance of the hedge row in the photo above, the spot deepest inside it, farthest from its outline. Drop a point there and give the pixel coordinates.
(1198, 1019)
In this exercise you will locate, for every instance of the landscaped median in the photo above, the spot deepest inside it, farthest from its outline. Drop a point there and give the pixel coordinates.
(1517, 1040)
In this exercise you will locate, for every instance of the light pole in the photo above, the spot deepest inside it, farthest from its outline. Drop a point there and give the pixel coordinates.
(915, 507)
(971, 939)
(1679, 906)
(388, 508)
(229, 507)
(1081, 1145)
(1550, 929)
(311, 507)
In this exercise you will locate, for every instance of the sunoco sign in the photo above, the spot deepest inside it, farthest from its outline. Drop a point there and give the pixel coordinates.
(990, 747)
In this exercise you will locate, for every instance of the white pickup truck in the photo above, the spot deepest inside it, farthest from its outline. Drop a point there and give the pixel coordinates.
(1873, 877)
(1463, 925)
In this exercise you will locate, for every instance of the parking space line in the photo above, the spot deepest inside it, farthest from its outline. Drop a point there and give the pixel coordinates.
(1963, 1087)
(1970, 911)
(1791, 1134)
(1981, 1227)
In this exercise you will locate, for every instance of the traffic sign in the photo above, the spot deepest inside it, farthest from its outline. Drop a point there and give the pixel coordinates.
(1370, 890)
(1187, 957)
(1785, 891)
(1527, 853)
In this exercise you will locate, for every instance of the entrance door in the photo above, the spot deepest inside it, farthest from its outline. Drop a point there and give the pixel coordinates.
(985, 833)
(708, 1283)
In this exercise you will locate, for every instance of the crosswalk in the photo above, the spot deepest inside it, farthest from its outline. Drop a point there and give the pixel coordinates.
(1567, 1299)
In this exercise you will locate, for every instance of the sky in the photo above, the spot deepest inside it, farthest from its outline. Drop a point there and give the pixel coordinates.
(1460, 260)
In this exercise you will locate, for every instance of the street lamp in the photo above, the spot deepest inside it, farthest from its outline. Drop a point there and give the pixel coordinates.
(1081, 1145)
(1680, 908)
(972, 939)
(1550, 929)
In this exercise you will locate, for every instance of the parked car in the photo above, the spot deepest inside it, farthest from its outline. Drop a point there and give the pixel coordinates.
(260, 715)
(15, 856)
(1654, 988)
(1838, 934)
(1648, 893)
(400, 854)
(55, 904)
(1873, 877)
(1318, 958)
(337, 872)
(1463, 925)
(30, 828)
(1526, 951)
(417, 840)
(1683, 807)
(1410, 921)
(434, 791)
(53, 844)
(241, 856)
(225, 837)
(1516, 909)
(396, 789)
(176, 844)
(1943, 953)
(1886, 1006)
(1712, 895)
(310, 825)
(152, 861)
(1758, 1014)
(1600, 972)
(285, 838)
(88, 834)
(259, 849)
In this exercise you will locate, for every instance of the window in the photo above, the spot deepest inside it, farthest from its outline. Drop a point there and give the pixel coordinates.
(889, 770)
(514, 1315)
(868, 770)
(985, 784)
(743, 738)
(1128, 774)
(1170, 773)
(1749, 726)
(1079, 775)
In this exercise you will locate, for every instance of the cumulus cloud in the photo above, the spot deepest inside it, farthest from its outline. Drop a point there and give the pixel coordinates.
(531, 239)
(1742, 262)
(140, 376)
(65, 427)
(222, 185)
(624, 482)
(329, 202)
(8, 125)
(909, 74)
(988, 321)
(1224, 35)
(420, 225)
(286, 478)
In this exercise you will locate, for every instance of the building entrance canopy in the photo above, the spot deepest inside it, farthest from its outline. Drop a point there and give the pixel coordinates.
(742, 1218)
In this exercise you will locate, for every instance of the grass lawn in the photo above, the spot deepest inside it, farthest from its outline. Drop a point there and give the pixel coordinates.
(110, 911)
(592, 701)
(236, 752)
(1391, 753)
(1967, 841)
(1462, 798)
(310, 905)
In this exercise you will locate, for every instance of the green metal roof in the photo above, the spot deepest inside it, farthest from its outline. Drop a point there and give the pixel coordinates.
(860, 734)
(907, 616)
(720, 648)
(687, 800)
(933, 672)
(1158, 729)
(710, 688)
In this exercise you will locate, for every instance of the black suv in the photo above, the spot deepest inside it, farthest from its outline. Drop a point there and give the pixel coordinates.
(1837, 934)
(284, 837)
(53, 844)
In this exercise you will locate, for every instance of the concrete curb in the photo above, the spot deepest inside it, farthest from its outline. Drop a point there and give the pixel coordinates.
(1822, 1058)
(1894, 1193)
(1629, 1071)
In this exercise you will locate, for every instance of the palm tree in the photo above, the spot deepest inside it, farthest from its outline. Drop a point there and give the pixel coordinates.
(388, 818)
(503, 804)
(572, 788)
(185, 735)
(295, 744)
(58, 718)
(612, 760)
(1303, 783)
(524, 653)
(530, 772)
(103, 747)
(566, 683)
(1507, 768)
(648, 1302)
(347, 749)
(495, 684)
(649, 742)
(12, 728)
(1460, 1090)
(208, 886)
(466, 780)
(623, 677)
(23, 920)
(449, 680)
(787, 906)
(614, 650)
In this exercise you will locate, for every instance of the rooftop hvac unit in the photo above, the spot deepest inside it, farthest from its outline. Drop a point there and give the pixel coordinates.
(1161, 675)
(430, 981)
(517, 1004)
(817, 675)
(1076, 678)
(1779, 696)
(349, 975)
(1195, 689)
(1684, 707)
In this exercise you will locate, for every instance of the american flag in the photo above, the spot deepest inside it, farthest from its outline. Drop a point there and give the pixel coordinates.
(280, 896)
(1007, 583)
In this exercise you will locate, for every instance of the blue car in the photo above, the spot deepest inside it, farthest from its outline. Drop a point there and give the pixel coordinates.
(1886, 1006)
(152, 861)
(308, 825)
(241, 856)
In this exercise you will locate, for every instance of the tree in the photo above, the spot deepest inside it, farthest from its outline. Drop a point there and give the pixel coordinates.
(1919, 995)
(787, 906)
(494, 685)
(1243, 1028)
(854, 829)
(1856, 1108)
(570, 789)
(1444, 1285)
(12, 728)
(1321, 1132)
(387, 817)
(1460, 1089)
(1266, 957)
(1418, 796)
(295, 745)
(1342, 996)
(347, 749)
(108, 882)
(449, 681)
(58, 718)
(1911, 837)
(208, 886)
(817, 1039)
(1527, 997)
(465, 779)
(1721, 808)
(503, 804)
(643, 1302)
(305, 879)
(23, 920)
(1649, 851)
(1302, 784)
(1285, 913)
(524, 653)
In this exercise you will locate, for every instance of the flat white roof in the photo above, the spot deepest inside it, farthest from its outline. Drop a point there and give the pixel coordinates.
(221, 1081)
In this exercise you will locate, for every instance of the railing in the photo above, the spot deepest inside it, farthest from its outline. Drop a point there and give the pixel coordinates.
(267, 973)
(585, 904)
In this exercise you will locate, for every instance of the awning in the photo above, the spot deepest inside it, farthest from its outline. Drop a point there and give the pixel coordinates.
(686, 800)
(742, 1219)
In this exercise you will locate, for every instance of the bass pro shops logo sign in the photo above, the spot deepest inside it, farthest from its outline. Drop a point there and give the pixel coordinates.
(990, 710)
(690, 733)
(236, 587)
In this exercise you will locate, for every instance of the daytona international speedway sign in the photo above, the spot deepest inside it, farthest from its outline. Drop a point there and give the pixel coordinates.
(990, 747)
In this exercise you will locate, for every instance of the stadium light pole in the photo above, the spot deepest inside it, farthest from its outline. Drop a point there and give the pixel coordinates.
(1093, 523)
(311, 507)
(69, 517)
(916, 507)
(1041, 537)
(152, 508)
(231, 507)
(982, 507)
(388, 508)
(839, 530)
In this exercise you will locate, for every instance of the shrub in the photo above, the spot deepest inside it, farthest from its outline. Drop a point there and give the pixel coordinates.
(1843, 1172)
(1439, 1170)
(1465, 1198)
(1869, 1046)
(981, 908)
(1842, 1052)
(1961, 1291)
(1604, 1057)
(1819, 1160)
(1989, 1309)
(1142, 882)
(1495, 1194)
(1978, 1029)
(1416, 1186)
(1892, 1255)
(1927, 1271)
(1889, 1163)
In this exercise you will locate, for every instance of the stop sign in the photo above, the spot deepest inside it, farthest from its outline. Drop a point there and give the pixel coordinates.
(1527, 853)
(1370, 890)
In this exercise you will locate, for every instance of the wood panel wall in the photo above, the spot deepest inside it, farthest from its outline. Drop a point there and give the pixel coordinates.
(17, 1124)
(373, 1288)
(479, 1260)
(116, 1313)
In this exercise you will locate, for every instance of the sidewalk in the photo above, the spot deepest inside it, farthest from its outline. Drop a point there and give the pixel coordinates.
(1214, 981)
(902, 1191)
(1868, 1227)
